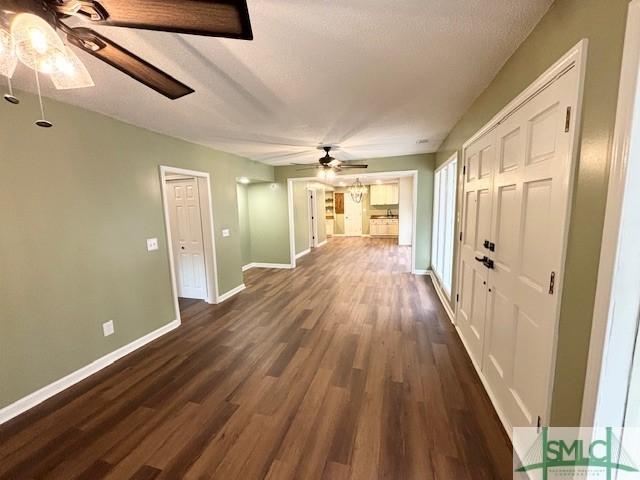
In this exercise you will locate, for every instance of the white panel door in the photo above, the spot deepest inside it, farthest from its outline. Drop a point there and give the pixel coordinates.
(476, 223)
(352, 217)
(186, 233)
(530, 209)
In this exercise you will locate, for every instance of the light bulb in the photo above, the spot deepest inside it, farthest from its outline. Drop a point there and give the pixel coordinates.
(69, 71)
(38, 41)
(64, 65)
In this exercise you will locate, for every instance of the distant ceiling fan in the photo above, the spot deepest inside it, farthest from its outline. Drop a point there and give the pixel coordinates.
(331, 164)
(28, 33)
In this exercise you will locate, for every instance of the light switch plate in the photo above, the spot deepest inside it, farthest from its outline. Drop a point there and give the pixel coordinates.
(107, 328)
(152, 244)
(225, 232)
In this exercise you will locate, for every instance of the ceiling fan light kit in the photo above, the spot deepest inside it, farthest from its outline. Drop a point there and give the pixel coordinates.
(28, 34)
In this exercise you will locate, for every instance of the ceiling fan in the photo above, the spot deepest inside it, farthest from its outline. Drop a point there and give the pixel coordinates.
(331, 164)
(28, 32)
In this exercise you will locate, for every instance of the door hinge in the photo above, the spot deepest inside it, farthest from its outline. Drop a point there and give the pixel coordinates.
(460, 236)
(457, 297)
(552, 283)
(567, 122)
(464, 169)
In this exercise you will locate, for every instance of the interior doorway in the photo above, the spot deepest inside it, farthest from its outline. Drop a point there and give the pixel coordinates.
(188, 215)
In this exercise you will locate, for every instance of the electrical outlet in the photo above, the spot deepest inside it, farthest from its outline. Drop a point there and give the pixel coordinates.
(225, 232)
(152, 244)
(107, 328)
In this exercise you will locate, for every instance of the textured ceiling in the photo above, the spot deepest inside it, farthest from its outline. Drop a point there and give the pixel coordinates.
(372, 76)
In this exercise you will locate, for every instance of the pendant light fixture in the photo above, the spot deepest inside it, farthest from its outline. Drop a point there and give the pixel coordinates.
(357, 191)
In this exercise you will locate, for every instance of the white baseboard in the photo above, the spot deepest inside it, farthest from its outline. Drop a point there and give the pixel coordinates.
(417, 271)
(303, 253)
(231, 293)
(248, 266)
(272, 265)
(338, 235)
(441, 296)
(503, 418)
(321, 244)
(48, 391)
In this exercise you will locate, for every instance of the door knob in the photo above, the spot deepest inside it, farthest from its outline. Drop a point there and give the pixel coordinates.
(483, 259)
(182, 247)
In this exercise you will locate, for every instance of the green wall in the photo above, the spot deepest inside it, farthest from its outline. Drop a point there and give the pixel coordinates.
(244, 227)
(425, 165)
(567, 22)
(77, 203)
(269, 214)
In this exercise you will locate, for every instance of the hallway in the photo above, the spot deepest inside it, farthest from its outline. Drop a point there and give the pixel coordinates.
(346, 367)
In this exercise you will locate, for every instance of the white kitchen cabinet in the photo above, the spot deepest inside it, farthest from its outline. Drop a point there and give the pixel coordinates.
(383, 227)
(329, 227)
(386, 194)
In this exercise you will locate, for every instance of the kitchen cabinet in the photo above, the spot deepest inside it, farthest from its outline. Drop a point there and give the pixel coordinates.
(383, 227)
(386, 194)
(329, 226)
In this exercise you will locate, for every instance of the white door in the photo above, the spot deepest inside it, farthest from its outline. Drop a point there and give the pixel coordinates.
(530, 210)
(186, 236)
(476, 224)
(516, 197)
(352, 216)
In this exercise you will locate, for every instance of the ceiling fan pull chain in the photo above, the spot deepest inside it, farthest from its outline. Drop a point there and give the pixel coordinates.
(42, 122)
(9, 97)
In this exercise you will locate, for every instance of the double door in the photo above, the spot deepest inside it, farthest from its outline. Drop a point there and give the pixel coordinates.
(515, 204)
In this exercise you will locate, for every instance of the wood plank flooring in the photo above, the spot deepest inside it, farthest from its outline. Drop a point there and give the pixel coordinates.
(344, 368)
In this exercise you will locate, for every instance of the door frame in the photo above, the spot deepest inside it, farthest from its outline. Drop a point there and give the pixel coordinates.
(208, 231)
(606, 371)
(576, 57)
(453, 158)
(312, 212)
(401, 173)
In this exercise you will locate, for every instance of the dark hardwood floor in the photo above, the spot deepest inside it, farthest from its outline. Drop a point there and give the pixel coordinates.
(346, 367)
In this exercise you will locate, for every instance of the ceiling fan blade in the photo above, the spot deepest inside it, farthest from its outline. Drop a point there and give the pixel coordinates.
(307, 168)
(343, 166)
(119, 57)
(216, 18)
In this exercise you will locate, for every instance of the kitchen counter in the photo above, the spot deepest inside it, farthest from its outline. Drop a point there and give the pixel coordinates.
(384, 216)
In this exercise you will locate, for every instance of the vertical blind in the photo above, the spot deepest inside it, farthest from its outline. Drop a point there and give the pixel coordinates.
(444, 211)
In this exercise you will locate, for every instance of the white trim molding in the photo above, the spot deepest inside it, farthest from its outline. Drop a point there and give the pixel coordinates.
(303, 253)
(421, 272)
(48, 391)
(272, 265)
(321, 243)
(231, 293)
(209, 237)
(612, 332)
(441, 296)
(248, 266)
